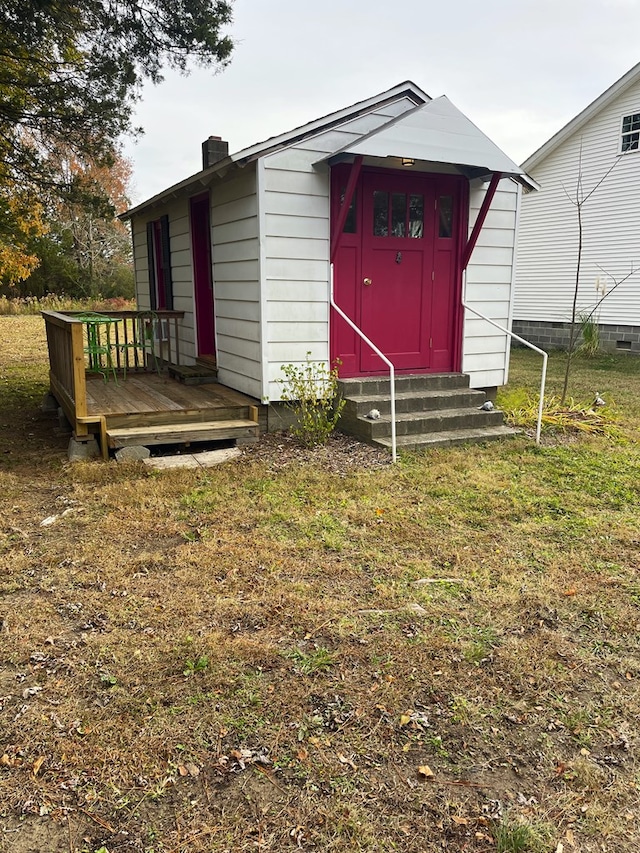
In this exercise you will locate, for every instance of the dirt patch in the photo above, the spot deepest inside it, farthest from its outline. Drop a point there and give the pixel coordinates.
(340, 455)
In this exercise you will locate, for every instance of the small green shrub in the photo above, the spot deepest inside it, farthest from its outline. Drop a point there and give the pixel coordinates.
(311, 392)
(590, 345)
(517, 835)
(194, 665)
(317, 660)
(521, 410)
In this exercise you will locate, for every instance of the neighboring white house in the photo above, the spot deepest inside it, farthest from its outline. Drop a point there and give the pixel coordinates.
(387, 190)
(597, 152)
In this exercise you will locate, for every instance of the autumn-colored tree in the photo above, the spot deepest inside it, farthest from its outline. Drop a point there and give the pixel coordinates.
(21, 220)
(70, 73)
(87, 250)
(100, 242)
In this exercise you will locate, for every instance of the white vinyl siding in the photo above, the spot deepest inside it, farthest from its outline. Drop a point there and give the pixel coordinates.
(236, 282)
(140, 261)
(295, 215)
(547, 246)
(489, 286)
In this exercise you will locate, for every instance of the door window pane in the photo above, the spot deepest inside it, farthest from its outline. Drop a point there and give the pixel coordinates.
(445, 210)
(350, 225)
(398, 214)
(380, 214)
(416, 216)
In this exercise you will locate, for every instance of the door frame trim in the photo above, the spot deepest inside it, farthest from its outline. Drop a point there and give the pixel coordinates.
(463, 241)
(193, 200)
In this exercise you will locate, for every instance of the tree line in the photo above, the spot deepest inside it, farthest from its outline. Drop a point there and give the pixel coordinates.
(71, 72)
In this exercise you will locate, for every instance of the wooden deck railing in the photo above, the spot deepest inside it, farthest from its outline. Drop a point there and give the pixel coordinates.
(131, 340)
(67, 365)
(136, 333)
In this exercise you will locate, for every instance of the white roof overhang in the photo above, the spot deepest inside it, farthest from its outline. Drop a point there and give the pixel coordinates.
(435, 132)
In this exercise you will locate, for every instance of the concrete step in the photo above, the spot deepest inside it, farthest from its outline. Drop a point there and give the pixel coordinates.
(449, 438)
(412, 423)
(414, 401)
(242, 430)
(406, 382)
(431, 410)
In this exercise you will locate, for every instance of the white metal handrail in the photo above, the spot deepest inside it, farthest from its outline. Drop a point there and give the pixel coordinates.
(392, 375)
(544, 355)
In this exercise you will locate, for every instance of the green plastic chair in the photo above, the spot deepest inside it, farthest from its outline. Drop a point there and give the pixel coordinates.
(98, 346)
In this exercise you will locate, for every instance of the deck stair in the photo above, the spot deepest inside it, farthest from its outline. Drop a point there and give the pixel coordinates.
(431, 410)
(194, 374)
(151, 410)
(242, 430)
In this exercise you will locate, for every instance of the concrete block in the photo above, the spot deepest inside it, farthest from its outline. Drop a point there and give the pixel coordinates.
(63, 423)
(82, 451)
(132, 453)
(49, 405)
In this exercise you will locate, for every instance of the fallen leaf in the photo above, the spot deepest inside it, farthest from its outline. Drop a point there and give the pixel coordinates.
(302, 754)
(344, 760)
(193, 769)
(570, 837)
(405, 718)
(560, 847)
(37, 764)
(5, 761)
(182, 770)
(460, 821)
(425, 770)
(571, 591)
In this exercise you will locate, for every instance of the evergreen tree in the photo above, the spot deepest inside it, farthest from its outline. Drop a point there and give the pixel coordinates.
(70, 73)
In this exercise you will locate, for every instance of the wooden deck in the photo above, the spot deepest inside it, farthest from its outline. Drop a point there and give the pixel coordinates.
(149, 409)
(143, 395)
(126, 402)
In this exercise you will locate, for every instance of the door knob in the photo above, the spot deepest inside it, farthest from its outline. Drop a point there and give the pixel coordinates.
(367, 282)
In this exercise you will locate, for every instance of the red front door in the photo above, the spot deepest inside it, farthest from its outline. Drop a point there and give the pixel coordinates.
(397, 271)
(202, 275)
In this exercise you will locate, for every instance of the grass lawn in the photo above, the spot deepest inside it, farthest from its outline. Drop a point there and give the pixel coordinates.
(281, 654)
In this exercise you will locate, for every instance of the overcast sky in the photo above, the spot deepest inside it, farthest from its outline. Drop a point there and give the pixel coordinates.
(519, 69)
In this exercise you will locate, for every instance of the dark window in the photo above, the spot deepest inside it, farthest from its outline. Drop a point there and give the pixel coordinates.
(380, 214)
(445, 216)
(351, 222)
(398, 215)
(416, 216)
(630, 132)
(159, 258)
